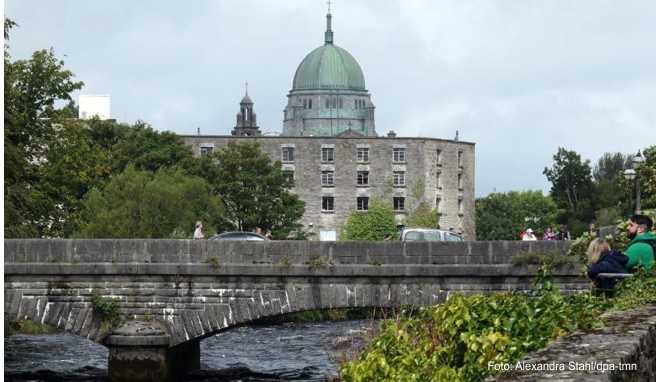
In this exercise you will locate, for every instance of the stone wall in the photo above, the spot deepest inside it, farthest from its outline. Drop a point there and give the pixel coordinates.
(439, 176)
(624, 350)
(198, 288)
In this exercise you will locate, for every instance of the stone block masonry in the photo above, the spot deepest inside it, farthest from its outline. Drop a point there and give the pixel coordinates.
(192, 289)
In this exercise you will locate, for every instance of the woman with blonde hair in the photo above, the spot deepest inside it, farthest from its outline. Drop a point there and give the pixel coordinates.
(601, 259)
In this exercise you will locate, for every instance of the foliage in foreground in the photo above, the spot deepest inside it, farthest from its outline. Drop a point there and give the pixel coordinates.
(455, 341)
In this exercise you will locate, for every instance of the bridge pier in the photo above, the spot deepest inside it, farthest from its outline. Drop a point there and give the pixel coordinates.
(139, 352)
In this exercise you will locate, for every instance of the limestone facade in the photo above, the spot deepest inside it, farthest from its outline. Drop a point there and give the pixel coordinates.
(401, 171)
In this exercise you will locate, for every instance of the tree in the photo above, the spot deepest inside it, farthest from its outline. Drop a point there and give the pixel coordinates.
(32, 89)
(254, 189)
(501, 216)
(374, 224)
(572, 188)
(140, 204)
(423, 217)
(647, 173)
(611, 197)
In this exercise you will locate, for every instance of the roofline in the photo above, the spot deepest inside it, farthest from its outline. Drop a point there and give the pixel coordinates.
(323, 137)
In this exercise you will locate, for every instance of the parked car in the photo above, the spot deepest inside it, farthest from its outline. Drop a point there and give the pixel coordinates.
(427, 234)
(239, 235)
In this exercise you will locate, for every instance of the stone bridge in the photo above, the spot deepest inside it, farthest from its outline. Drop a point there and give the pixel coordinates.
(171, 294)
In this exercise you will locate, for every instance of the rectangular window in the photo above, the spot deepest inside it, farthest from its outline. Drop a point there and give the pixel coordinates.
(363, 154)
(328, 203)
(399, 203)
(289, 176)
(327, 178)
(363, 203)
(460, 181)
(460, 207)
(459, 158)
(398, 154)
(438, 180)
(287, 154)
(205, 150)
(327, 154)
(438, 205)
(399, 178)
(439, 157)
(363, 178)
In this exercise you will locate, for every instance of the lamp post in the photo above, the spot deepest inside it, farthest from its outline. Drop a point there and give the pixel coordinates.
(631, 174)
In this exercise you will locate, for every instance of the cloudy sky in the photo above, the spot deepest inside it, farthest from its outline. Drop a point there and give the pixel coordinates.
(517, 77)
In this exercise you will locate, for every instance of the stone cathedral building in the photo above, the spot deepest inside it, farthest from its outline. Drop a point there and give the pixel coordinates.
(330, 148)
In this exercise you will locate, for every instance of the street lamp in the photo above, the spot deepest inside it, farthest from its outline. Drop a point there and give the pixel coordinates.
(631, 174)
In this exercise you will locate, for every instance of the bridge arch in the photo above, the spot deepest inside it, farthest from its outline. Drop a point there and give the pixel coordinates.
(190, 290)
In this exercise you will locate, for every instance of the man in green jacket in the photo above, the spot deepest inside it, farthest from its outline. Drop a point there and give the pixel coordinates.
(640, 251)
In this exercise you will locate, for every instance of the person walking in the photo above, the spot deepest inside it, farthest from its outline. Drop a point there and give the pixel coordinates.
(198, 233)
(529, 236)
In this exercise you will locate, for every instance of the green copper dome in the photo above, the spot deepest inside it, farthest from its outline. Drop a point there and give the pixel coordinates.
(329, 67)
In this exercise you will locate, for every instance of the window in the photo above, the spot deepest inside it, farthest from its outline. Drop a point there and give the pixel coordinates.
(398, 154)
(439, 157)
(328, 203)
(305, 104)
(289, 176)
(327, 178)
(363, 178)
(205, 150)
(363, 203)
(460, 181)
(327, 154)
(399, 203)
(363, 154)
(460, 207)
(438, 205)
(287, 154)
(310, 103)
(341, 103)
(459, 158)
(438, 180)
(327, 104)
(399, 178)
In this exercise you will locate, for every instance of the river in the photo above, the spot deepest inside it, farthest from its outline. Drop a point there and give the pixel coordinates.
(285, 352)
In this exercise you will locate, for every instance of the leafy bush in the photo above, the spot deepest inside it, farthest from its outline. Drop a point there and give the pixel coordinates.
(373, 224)
(455, 341)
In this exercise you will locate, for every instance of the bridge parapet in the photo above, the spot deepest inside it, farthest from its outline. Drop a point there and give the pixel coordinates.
(198, 288)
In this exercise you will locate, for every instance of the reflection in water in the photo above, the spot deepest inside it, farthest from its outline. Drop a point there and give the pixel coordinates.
(298, 352)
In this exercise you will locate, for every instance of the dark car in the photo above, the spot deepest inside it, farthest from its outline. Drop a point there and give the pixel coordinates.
(238, 235)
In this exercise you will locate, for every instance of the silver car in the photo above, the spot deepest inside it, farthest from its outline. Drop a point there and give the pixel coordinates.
(239, 235)
(427, 234)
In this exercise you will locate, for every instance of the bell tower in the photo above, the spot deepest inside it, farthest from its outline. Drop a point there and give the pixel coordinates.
(246, 118)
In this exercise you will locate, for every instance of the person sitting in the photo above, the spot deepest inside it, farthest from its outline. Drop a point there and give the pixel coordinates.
(641, 248)
(601, 259)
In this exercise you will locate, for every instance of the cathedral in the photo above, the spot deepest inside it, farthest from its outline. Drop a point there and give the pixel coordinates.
(329, 147)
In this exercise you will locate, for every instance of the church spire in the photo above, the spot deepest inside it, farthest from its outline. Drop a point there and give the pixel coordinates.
(329, 32)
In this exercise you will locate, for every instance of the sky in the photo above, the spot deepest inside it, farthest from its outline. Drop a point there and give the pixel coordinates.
(519, 78)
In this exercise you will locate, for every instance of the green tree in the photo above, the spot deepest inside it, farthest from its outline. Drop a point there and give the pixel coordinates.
(611, 198)
(254, 189)
(33, 87)
(140, 204)
(572, 189)
(647, 174)
(501, 216)
(423, 216)
(374, 224)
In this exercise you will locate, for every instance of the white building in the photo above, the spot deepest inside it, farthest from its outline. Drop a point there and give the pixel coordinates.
(94, 106)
